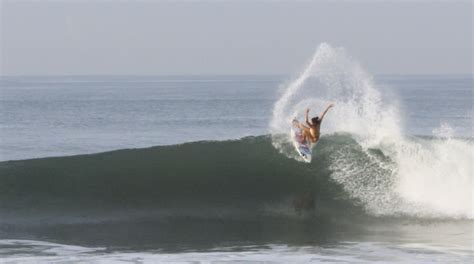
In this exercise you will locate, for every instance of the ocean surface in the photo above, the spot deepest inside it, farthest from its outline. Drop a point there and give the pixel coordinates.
(99, 169)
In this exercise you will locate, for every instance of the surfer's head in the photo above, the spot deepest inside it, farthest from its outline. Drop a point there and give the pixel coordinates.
(315, 119)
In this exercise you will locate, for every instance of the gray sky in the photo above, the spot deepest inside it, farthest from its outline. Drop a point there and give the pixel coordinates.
(161, 37)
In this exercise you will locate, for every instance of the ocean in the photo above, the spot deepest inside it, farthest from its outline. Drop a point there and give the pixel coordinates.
(186, 169)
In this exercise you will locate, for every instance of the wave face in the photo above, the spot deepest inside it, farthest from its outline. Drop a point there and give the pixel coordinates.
(192, 195)
(202, 193)
(239, 179)
(236, 178)
(424, 178)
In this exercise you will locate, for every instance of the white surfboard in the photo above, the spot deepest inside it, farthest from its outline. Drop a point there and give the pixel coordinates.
(304, 149)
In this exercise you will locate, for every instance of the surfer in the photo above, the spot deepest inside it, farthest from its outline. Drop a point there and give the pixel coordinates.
(311, 132)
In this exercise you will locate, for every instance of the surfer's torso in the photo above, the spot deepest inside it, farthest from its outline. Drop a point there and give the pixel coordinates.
(314, 131)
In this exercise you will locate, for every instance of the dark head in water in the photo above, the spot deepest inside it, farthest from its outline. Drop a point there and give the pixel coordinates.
(304, 202)
(315, 120)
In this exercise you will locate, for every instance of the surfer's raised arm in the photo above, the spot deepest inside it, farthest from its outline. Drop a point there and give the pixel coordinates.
(306, 117)
(325, 111)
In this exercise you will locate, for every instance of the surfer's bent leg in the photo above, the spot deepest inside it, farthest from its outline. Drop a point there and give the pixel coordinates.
(309, 136)
(305, 131)
(306, 134)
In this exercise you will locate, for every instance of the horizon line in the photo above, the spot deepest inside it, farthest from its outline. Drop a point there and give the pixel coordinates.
(213, 75)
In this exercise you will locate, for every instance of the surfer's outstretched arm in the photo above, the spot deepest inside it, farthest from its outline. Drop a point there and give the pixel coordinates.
(306, 117)
(325, 111)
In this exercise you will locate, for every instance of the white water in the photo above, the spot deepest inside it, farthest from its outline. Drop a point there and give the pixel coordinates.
(30, 251)
(426, 178)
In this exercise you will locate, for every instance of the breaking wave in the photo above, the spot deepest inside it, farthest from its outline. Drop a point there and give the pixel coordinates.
(402, 175)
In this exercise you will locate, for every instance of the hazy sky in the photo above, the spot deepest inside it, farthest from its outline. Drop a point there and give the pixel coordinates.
(230, 37)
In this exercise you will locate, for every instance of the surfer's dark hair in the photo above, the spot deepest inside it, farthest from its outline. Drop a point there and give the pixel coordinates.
(315, 119)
